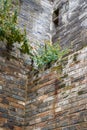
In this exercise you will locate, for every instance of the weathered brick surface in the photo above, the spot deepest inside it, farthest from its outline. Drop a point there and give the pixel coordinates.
(36, 15)
(72, 26)
(55, 99)
(13, 80)
(49, 100)
(59, 101)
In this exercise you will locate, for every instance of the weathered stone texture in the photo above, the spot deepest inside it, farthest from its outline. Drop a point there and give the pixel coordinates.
(55, 99)
(36, 15)
(13, 80)
(72, 27)
(59, 101)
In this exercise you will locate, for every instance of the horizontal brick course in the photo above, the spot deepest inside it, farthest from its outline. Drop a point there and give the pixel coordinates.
(59, 102)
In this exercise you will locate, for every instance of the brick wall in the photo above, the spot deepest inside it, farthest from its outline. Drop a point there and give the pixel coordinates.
(13, 81)
(57, 98)
(49, 100)
(72, 23)
(36, 16)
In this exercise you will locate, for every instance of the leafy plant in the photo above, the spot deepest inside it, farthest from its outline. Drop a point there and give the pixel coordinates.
(9, 30)
(48, 55)
(11, 33)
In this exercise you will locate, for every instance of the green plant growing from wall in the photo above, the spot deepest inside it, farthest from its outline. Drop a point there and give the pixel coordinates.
(9, 30)
(10, 33)
(48, 55)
